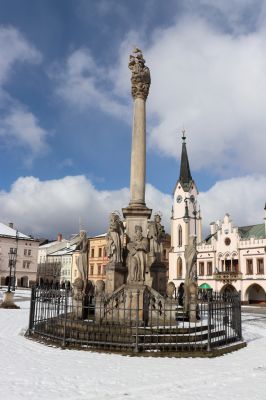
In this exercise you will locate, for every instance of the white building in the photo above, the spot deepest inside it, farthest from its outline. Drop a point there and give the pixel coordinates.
(230, 258)
(56, 261)
(25, 249)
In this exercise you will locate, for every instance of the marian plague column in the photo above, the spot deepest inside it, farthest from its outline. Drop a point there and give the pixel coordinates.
(137, 214)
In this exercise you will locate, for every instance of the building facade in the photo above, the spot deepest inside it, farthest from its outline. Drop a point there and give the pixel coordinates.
(21, 272)
(57, 261)
(230, 258)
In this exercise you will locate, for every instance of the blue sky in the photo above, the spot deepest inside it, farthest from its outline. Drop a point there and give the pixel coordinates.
(65, 108)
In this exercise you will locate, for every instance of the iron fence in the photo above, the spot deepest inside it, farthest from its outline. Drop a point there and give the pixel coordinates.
(139, 324)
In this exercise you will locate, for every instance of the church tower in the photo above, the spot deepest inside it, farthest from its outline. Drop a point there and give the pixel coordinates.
(185, 220)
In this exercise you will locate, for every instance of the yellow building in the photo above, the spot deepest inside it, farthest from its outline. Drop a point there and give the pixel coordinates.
(97, 258)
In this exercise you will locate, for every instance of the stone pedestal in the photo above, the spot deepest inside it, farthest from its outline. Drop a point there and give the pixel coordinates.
(115, 277)
(78, 298)
(136, 215)
(158, 277)
(193, 301)
(8, 301)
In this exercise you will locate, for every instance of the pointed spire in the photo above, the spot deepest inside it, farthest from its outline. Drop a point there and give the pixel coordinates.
(185, 177)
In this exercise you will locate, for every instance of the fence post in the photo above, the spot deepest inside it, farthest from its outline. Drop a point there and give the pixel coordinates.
(32, 310)
(239, 316)
(65, 319)
(136, 349)
(209, 323)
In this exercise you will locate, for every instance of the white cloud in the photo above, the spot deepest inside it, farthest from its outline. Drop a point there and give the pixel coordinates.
(211, 82)
(21, 128)
(81, 83)
(14, 48)
(45, 208)
(18, 126)
(243, 198)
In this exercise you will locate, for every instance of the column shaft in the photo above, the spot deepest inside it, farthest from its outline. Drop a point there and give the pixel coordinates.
(138, 154)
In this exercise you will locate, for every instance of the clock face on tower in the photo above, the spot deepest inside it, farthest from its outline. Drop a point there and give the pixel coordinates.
(179, 198)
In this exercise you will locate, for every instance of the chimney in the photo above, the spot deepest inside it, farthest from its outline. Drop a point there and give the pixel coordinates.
(11, 225)
(59, 237)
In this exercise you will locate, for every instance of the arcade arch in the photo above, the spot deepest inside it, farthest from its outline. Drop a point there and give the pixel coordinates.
(255, 294)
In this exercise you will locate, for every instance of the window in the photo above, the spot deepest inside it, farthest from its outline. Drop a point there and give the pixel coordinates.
(227, 241)
(179, 268)
(179, 236)
(249, 266)
(104, 252)
(201, 268)
(25, 252)
(26, 264)
(29, 252)
(92, 253)
(100, 252)
(104, 269)
(209, 268)
(164, 254)
(260, 266)
(91, 270)
(99, 269)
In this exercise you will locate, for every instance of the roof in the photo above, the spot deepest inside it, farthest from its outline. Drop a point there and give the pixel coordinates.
(256, 231)
(185, 177)
(5, 230)
(205, 286)
(64, 251)
(102, 235)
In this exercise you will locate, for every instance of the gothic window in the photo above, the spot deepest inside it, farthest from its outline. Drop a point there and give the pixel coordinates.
(260, 266)
(179, 235)
(201, 268)
(179, 267)
(249, 266)
(209, 268)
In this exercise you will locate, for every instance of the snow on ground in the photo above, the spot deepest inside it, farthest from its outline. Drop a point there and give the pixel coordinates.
(33, 371)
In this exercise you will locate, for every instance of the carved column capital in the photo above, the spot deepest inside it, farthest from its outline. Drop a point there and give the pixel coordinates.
(140, 79)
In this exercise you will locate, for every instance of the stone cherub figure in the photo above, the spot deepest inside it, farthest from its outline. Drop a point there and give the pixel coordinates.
(137, 257)
(156, 234)
(114, 239)
(140, 78)
(191, 268)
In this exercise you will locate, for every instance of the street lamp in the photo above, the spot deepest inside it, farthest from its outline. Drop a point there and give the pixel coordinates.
(12, 264)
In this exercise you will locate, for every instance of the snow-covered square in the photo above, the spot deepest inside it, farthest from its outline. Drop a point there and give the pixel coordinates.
(31, 370)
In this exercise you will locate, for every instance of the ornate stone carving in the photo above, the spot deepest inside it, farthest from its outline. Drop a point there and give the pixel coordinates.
(156, 234)
(140, 79)
(137, 257)
(99, 288)
(114, 242)
(170, 290)
(82, 261)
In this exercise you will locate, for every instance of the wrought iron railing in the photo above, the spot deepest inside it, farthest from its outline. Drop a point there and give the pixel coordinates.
(135, 326)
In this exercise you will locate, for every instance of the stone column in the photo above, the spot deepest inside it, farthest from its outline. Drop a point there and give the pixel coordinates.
(138, 153)
(137, 213)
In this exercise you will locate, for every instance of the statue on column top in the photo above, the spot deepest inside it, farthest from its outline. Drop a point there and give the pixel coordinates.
(140, 78)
